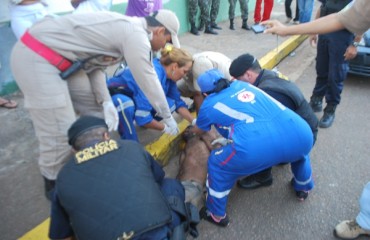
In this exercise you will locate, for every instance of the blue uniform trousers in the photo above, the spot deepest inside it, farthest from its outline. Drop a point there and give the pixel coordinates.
(126, 113)
(331, 68)
(258, 146)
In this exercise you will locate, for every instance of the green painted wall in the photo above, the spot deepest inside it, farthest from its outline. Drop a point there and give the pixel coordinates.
(180, 7)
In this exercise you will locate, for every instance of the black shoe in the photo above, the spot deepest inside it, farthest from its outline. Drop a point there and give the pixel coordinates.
(209, 30)
(207, 215)
(215, 26)
(49, 188)
(251, 182)
(316, 103)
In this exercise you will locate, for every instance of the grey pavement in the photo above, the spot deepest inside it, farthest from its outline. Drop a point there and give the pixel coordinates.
(340, 158)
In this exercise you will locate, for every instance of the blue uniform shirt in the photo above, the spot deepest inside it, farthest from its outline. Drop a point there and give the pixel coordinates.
(144, 110)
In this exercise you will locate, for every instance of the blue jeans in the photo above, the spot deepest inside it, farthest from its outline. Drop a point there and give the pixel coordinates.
(363, 218)
(305, 10)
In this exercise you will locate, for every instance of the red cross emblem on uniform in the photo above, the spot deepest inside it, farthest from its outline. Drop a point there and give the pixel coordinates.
(246, 96)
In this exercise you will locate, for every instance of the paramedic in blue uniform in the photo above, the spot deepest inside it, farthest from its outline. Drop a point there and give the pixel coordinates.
(247, 68)
(261, 133)
(114, 190)
(131, 102)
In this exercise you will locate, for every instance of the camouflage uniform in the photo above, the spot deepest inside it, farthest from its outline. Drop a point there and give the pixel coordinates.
(204, 10)
(215, 6)
(243, 8)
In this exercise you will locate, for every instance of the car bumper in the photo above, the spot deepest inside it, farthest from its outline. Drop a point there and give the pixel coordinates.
(360, 65)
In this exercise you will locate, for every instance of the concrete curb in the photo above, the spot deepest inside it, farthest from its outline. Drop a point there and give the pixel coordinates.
(167, 146)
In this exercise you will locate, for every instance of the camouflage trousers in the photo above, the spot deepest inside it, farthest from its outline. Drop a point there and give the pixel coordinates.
(204, 10)
(243, 8)
(215, 6)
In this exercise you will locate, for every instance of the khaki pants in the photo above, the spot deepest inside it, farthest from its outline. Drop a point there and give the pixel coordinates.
(53, 104)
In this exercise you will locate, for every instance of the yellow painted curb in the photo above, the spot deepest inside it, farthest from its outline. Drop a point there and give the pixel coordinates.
(272, 58)
(167, 146)
(38, 233)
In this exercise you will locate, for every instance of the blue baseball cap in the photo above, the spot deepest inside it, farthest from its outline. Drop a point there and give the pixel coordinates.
(207, 80)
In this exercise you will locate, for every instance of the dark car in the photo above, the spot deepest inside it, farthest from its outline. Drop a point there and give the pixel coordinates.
(360, 65)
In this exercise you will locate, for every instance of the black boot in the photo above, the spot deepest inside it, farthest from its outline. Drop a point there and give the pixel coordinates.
(232, 24)
(245, 25)
(49, 188)
(215, 26)
(328, 117)
(316, 103)
(194, 30)
(257, 180)
(210, 30)
(201, 26)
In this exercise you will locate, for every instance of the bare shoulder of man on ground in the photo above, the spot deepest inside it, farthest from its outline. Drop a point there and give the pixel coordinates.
(193, 165)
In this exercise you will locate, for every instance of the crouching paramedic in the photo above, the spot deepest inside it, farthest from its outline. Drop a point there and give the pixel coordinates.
(261, 133)
(131, 102)
(116, 190)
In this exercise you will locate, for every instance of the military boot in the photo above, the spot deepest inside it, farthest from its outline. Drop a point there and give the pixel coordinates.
(245, 25)
(194, 29)
(210, 30)
(316, 103)
(201, 26)
(328, 117)
(215, 26)
(232, 24)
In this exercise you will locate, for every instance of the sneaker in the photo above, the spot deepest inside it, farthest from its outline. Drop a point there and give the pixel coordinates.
(349, 229)
(288, 20)
(296, 22)
(301, 195)
(207, 215)
(251, 182)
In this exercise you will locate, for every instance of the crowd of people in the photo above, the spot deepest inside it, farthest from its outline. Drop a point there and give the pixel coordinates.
(241, 112)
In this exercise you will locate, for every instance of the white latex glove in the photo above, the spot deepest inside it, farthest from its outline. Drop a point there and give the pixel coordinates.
(110, 115)
(167, 130)
(194, 122)
(221, 140)
(170, 126)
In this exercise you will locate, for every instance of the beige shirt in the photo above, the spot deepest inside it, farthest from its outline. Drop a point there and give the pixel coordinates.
(105, 34)
(205, 61)
(356, 18)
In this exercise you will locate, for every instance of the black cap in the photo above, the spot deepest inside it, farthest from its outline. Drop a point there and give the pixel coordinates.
(241, 64)
(82, 125)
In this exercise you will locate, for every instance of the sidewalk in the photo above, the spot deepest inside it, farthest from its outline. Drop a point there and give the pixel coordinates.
(21, 183)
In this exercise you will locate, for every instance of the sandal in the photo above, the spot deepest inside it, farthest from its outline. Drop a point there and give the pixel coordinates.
(6, 103)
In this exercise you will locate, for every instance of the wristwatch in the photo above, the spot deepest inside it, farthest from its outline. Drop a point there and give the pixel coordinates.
(355, 44)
